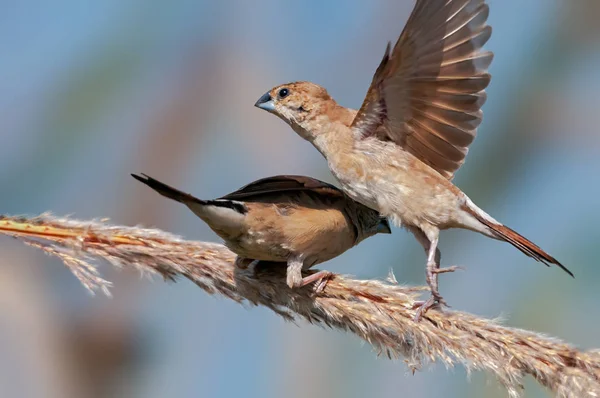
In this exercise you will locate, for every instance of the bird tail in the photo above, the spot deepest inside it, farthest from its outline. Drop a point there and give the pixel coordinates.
(499, 231)
(168, 191)
(198, 206)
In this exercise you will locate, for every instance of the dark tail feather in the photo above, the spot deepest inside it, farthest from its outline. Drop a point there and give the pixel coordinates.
(166, 190)
(185, 198)
(519, 241)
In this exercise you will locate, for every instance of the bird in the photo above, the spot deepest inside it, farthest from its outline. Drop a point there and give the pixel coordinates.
(399, 152)
(293, 219)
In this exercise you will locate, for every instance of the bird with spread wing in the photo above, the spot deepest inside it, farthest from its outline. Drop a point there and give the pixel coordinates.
(399, 152)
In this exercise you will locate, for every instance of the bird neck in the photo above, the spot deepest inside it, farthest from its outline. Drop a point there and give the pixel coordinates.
(330, 132)
(334, 141)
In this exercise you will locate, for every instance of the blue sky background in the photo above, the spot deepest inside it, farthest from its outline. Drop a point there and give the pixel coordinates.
(92, 91)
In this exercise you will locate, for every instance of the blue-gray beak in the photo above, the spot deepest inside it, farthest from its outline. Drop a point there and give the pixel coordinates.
(384, 227)
(265, 102)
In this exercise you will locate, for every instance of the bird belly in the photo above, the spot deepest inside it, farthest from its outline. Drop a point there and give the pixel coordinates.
(406, 192)
(318, 234)
(258, 246)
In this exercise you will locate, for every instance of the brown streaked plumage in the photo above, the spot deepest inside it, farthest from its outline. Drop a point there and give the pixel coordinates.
(294, 219)
(400, 151)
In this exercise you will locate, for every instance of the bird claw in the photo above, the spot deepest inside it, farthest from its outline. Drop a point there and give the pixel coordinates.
(241, 263)
(447, 269)
(422, 307)
(245, 263)
(321, 278)
(323, 283)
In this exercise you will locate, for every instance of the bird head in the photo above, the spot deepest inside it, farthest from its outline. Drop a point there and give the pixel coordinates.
(368, 222)
(302, 105)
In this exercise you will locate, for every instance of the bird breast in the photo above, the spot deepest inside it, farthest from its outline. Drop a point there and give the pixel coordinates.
(386, 178)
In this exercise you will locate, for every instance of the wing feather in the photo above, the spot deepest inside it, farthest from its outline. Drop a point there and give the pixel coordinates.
(427, 93)
(284, 183)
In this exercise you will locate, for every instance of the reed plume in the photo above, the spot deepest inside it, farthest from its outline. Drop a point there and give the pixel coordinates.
(380, 312)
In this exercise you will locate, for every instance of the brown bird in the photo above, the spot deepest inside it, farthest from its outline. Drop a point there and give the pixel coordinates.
(400, 151)
(294, 219)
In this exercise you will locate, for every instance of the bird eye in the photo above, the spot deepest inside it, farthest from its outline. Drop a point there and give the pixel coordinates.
(283, 93)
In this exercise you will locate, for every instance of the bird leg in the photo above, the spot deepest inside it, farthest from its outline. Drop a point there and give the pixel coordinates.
(294, 272)
(432, 271)
(431, 276)
(295, 279)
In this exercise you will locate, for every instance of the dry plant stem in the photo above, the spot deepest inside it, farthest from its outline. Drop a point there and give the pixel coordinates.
(379, 312)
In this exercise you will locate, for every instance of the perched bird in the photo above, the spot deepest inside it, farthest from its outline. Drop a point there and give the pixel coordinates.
(293, 219)
(400, 151)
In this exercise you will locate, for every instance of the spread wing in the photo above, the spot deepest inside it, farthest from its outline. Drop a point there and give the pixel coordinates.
(284, 183)
(427, 93)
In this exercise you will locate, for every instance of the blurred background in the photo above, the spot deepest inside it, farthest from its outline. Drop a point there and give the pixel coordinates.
(92, 91)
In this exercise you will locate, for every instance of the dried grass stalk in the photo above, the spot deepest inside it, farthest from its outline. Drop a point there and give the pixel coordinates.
(378, 312)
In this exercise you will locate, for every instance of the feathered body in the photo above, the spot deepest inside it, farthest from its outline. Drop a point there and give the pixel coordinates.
(320, 227)
(379, 175)
(294, 219)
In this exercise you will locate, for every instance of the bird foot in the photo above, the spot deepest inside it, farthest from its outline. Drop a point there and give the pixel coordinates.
(422, 307)
(321, 278)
